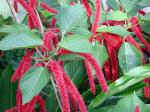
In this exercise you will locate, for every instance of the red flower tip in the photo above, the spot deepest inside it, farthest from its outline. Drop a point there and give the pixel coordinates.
(137, 108)
(48, 8)
(32, 3)
(91, 79)
(87, 7)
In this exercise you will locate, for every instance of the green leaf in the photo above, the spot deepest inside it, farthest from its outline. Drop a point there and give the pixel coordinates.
(76, 71)
(33, 81)
(146, 17)
(100, 54)
(14, 28)
(145, 3)
(129, 5)
(4, 9)
(141, 71)
(126, 104)
(125, 82)
(129, 57)
(7, 89)
(113, 4)
(116, 16)
(76, 43)
(70, 57)
(69, 17)
(19, 40)
(114, 30)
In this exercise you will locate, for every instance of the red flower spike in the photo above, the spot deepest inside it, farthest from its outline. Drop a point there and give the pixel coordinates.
(137, 108)
(73, 103)
(57, 72)
(146, 88)
(47, 40)
(90, 77)
(72, 3)
(41, 103)
(55, 41)
(16, 5)
(98, 71)
(113, 23)
(35, 20)
(19, 99)
(91, 39)
(25, 5)
(32, 3)
(113, 61)
(75, 93)
(53, 22)
(48, 8)
(97, 16)
(23, 66)
(87, 7)
(30, 23)
(142, 12)
(107, 70)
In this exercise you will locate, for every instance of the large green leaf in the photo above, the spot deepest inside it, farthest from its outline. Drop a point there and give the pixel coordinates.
(129, 5)
(33, 81)
(146, 17)
(7, 89)
(69, 17)
(119, 85)
(76, 71)
(114, 30)
(100, 54)
(19, 40)
(126, 104)
(76, 43)
(129, 57)
(145, 3)
(14, 28)
(116, 16)
(113, 4)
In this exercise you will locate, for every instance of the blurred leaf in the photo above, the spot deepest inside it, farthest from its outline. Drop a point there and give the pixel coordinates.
(113, 4)
(7, 89)
(18, 41)
(76, 71)
(69, 17)
(76, 43)
(33, 81)
(116, 16)
(145, 3)
(118, 30)
(129, 57)
(70, 57)
(126, 104)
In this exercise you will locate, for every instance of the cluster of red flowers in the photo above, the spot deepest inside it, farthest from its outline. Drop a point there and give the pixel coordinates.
(70, 96)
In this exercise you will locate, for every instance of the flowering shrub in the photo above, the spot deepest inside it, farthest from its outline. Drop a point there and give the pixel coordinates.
(74, 55)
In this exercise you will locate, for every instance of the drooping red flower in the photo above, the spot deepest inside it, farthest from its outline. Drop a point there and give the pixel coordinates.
(87, 7)
(75, 93)
(55, 68)
(146, 88)
(53, 22)
(48, 8)
(23, 66)
(107, 69)
(41, 103)
(32, 3)
(90, 77)
(97, 16)
(137, 108)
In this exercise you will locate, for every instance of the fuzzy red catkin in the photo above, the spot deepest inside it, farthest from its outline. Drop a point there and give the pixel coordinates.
(30, 23)
(16, 5)
(41, 103)
(98, 71)
(90, 77)
(142, 12)
(19, 99)
(23, 66)
(48, 8)
(97, 16)
(137, 108)
(73, 103)
(113, 61)
(146, 89)
(75, 93)
(14, 109)
(55, 40)
(87, 7)
(57, 72)
(53, 22)
(32, 3)
(107, 70)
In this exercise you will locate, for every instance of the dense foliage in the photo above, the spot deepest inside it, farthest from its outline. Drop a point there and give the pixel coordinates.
(74, 55)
